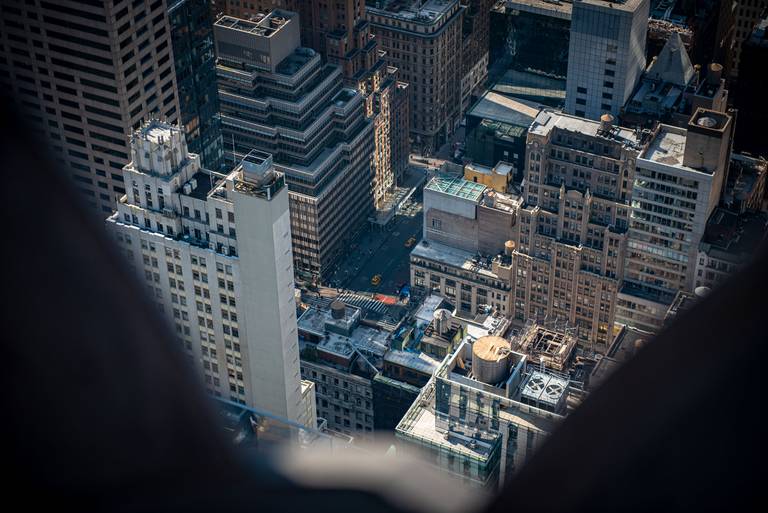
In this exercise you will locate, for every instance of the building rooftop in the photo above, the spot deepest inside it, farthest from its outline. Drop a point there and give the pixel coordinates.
(733, 237)
(426, 311)
(456, 186)
(616, 5)
(682, 302)
(668, 147)
(624, 346)
(497, 107)
(673, 64)
(201, 184)
(317, 321)
(416, 11)
(263, 24)
(544, 387)
(452, 256)
(552, 8)
(547, 120)
(553, 348)
(418, 361)
(532, 86)
(369, 341)
(420, 423)
(295, 61)
(157, 131)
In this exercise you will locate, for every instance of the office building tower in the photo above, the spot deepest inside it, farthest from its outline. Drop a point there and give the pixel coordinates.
(729, 243)
(606, 55)
(678, 181)
(745, 190)
(195, 62)
(214, 251)
(750, 97)
(475, 33)
(339, 32)
(569, 257)
(746, 18)
(531, 45)
(279, 97)
(423, 40)
(88, 73)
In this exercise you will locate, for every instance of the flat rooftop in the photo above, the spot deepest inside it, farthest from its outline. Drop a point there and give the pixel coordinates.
(314, 320)
(617, 5)
(367, 340)
(426, 311)
(453, 257)
(650, 98)
(458, 187)
(261, 24)
(668, 147)
(731, 237)
(550, 119)
(417, 361)
(206, 182)
(295, 61)
(417, 11)
(497, 107)
(419, 423)
(552, 8)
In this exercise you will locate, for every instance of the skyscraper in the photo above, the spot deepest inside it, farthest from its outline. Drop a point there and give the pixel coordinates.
(606, 55)
(475, 49)
(214, 251)
(423, 39)
(677, 184)
(279, 97)
(746, 16)
(569, 257)
(339, 32)
(88, 73)
(195, 62)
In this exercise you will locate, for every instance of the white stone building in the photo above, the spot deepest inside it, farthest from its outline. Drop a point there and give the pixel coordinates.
(214, 251)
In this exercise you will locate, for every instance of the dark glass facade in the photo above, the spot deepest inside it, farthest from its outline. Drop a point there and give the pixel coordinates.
(391, 400)
(195, 61)
(531, 53)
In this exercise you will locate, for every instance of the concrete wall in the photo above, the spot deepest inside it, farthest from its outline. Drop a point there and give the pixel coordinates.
(268, 303)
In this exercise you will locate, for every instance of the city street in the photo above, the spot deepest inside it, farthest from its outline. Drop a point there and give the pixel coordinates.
(382, 252)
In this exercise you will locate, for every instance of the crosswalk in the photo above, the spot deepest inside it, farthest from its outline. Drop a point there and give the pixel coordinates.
(364, 302)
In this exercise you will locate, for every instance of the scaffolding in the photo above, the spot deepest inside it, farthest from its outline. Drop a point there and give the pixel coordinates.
(551, 342)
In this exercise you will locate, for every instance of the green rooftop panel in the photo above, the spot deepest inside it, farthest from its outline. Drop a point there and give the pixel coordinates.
(458, 187)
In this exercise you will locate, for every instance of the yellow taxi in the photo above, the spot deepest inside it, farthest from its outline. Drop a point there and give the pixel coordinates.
(410, 242)
(376, 280)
